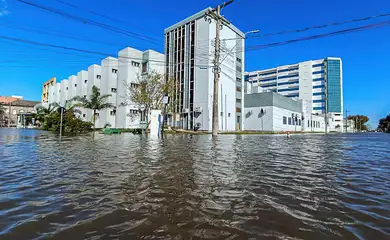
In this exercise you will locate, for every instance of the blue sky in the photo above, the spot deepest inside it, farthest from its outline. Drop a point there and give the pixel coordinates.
(365, 55)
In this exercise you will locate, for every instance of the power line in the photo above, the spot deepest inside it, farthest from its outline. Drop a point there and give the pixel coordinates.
(91, 22)
(97, 14)
(51, 33)
(275, 44)
(322, 26)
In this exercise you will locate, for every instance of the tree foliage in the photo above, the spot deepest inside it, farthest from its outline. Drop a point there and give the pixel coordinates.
(70, 123)
(360, 122)
(148, 91)
(95, 102)
(384, 124)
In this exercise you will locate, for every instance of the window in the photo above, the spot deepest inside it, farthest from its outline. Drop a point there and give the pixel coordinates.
(299, 122)
(308, 123)
(85, 81)
(229, 114)
(75, 85)
(238, 79)
(99, 76)
(59, 90)
(284, 120)
(238, 110)
(133, 85)
(113, 112)
(133, 111)
(238, 119)
(84, 115)
(239, 60)
(66, 88)
(114, 70)
(135, 64)
(238, 89)
(85, 96)
(238, 100)
(319, 125)
(113, 90)
(144, 67)
(289, 121)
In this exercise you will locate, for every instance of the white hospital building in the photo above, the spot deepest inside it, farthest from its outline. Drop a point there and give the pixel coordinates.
(316, 84)
(110, 77)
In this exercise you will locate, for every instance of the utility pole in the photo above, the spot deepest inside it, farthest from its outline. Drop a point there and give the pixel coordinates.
(9, 114)
(346, 120)
(219, 21)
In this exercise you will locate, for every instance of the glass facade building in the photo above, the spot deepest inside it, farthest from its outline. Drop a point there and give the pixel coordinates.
(333, 83)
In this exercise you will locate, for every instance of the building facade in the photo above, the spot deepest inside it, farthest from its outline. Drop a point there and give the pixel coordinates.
(45, 89)
(319, 83)
(189, 52)
(273, 112)
(17, 112)
(111, 77)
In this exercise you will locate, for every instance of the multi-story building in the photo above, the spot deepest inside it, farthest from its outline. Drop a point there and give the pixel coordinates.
(189, 51)
(45, 89)
(111, 77)
(317, 82)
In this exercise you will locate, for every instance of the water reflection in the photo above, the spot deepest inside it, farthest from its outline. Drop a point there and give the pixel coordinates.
(233, 187)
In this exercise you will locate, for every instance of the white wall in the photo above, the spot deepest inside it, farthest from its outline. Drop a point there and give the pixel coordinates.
(93, 72)
(108, 83)
(127, 74)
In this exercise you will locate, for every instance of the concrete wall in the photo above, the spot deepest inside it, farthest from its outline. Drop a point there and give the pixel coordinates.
(108, 85)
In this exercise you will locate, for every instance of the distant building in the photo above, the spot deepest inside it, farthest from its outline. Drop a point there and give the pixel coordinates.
(273, 112)
(318, 82)
(110, 77)
(45, 89)
(18, 112)
(189, 51)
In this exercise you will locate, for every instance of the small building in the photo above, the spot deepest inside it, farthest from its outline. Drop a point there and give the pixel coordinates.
(270, 111)
(18, 112)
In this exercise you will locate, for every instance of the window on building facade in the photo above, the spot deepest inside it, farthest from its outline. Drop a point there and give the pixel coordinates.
(66, 88)
(85, 81)
(84, 115)
(99, 76)
(133, 85)
(113, 112)
(284, 120)
(135, 64)
(319, 125)
(299, 122)
(239, 60)
(238, 109)
(114, 70)
(144, 67)
(238, 89)
(85, 96)
(238, 100)
(75, 85)
(113, 90)
(289, 121)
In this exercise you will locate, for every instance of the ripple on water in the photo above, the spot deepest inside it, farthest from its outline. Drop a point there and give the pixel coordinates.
(234, 187)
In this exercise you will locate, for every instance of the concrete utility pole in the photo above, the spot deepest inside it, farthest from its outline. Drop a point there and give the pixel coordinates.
(219, 21)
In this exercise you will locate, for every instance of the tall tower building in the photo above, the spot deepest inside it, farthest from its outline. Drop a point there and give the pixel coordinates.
(189, 52)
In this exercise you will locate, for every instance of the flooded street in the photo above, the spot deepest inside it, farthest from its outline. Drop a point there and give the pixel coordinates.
(193, 187)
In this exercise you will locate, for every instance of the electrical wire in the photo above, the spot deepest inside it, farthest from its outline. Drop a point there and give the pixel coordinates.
(91, 22)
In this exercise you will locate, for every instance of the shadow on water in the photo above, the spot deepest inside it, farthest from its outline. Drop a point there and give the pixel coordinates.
(194, 187)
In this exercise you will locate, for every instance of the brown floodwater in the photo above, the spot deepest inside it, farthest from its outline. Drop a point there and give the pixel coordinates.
(194, 187)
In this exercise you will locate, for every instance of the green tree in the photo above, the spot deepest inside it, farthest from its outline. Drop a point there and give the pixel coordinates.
(360, 122)
(95, 102)
(384, 124)
(148, 92)
(43, 112)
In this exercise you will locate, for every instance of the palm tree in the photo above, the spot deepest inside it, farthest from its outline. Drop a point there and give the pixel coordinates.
(95, 102)
(43, 112)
